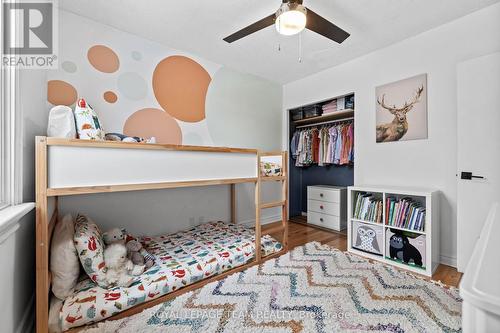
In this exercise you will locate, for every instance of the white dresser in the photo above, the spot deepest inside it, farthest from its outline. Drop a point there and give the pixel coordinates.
(327, 206)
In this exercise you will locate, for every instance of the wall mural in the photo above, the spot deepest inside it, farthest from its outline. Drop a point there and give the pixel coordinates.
(142, 88)
(179, 84)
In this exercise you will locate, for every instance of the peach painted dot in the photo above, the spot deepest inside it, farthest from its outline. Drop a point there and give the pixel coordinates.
(153, 122)
(103, 59)
(180, 86)
(61, 93)
(110, 97)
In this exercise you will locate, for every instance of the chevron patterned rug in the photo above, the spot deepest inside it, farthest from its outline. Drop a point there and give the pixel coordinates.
(313, 288)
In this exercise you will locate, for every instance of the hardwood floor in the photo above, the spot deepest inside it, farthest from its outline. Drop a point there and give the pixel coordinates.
(300, 234)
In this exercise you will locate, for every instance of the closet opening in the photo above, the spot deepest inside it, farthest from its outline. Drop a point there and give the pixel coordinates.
(321, 162)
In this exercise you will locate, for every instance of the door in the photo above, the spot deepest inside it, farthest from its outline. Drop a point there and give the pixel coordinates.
(478, 149)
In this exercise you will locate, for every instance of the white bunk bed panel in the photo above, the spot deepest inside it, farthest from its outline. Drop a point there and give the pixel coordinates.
(74, 166)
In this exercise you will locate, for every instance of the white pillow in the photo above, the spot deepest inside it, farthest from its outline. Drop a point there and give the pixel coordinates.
(61, 122)
(64, 261)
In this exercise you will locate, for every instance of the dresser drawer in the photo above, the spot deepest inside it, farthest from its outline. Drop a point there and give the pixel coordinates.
(330, 208)
(324, 220)
(323, 194)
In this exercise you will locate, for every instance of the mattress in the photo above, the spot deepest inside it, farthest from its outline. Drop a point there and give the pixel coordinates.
(181, 259)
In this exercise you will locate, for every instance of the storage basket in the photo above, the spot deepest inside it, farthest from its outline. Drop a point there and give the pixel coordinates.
(313, 111)
(297, 114)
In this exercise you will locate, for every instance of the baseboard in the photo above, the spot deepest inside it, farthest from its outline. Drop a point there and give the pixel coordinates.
(447, 260)
(28, 321)
(263, 220)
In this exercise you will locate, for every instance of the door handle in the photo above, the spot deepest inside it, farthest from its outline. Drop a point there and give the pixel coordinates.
(468, 175)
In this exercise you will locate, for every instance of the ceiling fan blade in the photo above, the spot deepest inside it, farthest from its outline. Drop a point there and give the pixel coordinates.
(325, 28)
(259, 25)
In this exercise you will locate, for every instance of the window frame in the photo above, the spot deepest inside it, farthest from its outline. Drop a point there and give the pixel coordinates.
(10, 131)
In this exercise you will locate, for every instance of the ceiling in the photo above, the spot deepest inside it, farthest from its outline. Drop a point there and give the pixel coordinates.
(198, 27)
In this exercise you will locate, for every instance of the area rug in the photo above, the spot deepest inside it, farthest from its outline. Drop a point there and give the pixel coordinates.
(313, 288)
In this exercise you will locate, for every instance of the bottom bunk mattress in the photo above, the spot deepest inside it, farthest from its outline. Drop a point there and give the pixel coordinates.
(180, 259)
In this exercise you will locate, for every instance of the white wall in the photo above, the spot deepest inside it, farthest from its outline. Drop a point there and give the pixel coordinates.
(431, 162)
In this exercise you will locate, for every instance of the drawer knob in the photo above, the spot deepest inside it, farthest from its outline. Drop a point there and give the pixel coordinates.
(321, 219)
(321, 206)
(321, 195)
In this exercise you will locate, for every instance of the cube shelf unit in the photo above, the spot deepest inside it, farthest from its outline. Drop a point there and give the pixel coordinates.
(428, 198)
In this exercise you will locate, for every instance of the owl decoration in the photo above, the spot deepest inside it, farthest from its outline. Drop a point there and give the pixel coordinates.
(366, 239)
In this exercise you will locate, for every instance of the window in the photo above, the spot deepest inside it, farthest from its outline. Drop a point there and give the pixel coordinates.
(10, 134)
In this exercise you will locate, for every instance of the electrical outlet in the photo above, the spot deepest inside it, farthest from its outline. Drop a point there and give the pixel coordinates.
(201, 220)
(191, 221)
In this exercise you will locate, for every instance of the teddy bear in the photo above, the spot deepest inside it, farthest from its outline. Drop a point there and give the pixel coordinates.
(135, 251)
(120, 270)
(115, 235)
(138, 254)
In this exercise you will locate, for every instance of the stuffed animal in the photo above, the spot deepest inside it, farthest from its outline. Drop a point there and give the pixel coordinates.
(115, 235)
(138, 254)
(120, 270)
(126, 138)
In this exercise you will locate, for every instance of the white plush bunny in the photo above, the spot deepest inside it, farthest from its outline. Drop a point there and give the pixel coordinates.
(121, 270)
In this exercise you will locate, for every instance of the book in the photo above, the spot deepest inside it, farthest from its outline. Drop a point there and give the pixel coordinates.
(405, 213)
(367, 207)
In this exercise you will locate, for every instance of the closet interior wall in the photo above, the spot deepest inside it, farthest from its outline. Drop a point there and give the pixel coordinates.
(301, 177)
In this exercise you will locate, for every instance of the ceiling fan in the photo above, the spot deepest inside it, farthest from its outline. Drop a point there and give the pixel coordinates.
(290, 19)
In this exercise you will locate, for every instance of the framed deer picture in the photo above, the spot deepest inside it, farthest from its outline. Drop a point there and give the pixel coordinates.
(402, 110)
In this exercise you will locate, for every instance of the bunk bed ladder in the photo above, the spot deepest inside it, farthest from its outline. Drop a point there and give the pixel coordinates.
(283, 203)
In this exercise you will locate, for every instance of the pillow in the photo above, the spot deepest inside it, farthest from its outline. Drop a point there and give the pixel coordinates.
(268, 169)
(87, 122)
(90, 247)
(64, 262)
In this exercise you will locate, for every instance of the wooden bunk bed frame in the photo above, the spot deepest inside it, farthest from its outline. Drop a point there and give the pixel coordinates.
(47, 211)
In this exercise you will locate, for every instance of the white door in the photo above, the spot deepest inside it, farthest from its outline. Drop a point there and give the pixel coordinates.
(478, 148)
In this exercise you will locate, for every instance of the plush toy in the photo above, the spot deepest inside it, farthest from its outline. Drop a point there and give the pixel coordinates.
(124, 138)
(138, 254)
(115, 235)
(120, 270)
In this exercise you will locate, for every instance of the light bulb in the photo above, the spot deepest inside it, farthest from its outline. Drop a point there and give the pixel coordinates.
(291, 20)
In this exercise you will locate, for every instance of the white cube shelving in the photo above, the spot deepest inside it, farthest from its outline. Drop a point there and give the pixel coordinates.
(428, 198)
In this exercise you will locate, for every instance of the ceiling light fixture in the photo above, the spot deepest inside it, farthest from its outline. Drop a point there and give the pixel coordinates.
(291, 18)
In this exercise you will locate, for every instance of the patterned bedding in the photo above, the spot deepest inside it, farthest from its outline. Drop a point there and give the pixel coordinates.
(180, 259)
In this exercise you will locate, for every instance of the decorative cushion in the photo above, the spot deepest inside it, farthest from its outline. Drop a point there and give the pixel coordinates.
(64, 262)
(90, 247)
(268, 169)
(87, 122)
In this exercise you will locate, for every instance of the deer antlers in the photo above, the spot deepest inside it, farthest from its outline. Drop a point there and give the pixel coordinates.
(406, 107)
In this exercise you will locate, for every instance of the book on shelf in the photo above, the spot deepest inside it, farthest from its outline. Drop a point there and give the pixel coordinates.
(405, 213)
(368, 208)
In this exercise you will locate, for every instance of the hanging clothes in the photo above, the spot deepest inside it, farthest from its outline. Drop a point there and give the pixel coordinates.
(325, 145)
(315, 145)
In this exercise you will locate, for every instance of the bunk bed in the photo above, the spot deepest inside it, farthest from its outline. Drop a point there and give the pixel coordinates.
(106, 167)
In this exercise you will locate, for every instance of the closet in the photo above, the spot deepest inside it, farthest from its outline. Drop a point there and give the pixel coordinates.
(321, 146)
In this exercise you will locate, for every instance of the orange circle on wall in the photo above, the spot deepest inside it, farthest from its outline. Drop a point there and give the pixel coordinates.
(103, 59)
(151, 122)
(110, 97)
(180, 86)
(61, 93)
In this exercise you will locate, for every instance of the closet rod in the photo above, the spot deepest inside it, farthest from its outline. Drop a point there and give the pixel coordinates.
(326, 122)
